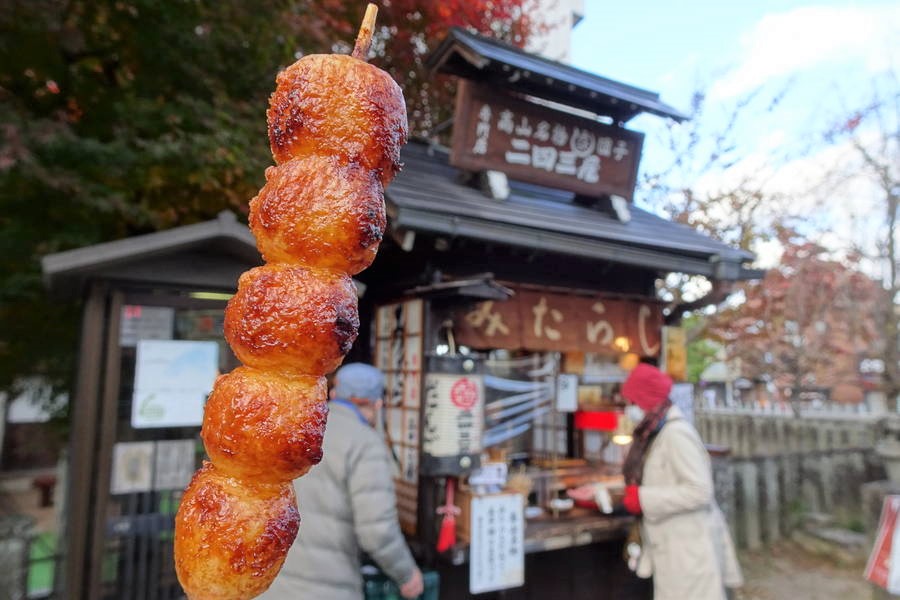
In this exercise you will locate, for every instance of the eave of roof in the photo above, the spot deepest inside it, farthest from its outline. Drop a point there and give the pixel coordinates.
(427, 197)
(482, 58)
(61, 268)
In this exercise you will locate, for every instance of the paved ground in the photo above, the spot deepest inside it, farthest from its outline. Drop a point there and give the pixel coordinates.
(786, 572)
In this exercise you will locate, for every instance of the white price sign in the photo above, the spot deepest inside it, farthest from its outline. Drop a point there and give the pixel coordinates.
(497, 550)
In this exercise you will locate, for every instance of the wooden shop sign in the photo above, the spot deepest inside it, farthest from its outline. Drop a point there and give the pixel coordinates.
(538, 144)
(534, 320)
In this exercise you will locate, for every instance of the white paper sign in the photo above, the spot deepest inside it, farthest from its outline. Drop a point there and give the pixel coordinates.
(492, 473)
(132, 467)
(567, 392)
(172, 380)
(145, 323)
(497, 550)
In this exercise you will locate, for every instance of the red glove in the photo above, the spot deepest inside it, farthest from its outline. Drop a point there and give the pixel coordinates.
(632, 500)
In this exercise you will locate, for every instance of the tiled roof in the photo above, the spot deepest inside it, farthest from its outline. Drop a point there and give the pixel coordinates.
(482, 58)
(428, 196)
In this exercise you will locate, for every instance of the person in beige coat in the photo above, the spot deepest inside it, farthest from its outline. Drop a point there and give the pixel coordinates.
(684, 541)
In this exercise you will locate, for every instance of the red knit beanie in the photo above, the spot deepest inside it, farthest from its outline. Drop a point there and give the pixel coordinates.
(647, 386)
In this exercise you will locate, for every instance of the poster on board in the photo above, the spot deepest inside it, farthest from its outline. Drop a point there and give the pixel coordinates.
(174, 465)
(132, 467)
(171, 382)
(145, 323)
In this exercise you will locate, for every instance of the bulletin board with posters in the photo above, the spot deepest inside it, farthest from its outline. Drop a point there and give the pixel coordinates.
(398, 353)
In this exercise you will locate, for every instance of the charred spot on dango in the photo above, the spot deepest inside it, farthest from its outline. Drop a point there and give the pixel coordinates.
(346, 326)
(370, 235)
(292, 319)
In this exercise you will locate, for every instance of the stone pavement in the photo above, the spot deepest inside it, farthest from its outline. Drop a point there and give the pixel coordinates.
(787, 571)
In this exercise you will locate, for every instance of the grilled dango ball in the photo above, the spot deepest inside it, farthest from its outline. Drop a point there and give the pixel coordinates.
(231, 537)
(263, 426)
(339, 106)
(318, 212)
(292, 320)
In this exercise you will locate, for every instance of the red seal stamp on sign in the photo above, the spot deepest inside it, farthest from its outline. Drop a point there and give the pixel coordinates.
(464, 393)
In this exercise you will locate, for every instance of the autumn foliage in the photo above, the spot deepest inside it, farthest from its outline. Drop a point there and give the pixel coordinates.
(121, 117)
(807, 324)
(408, 30)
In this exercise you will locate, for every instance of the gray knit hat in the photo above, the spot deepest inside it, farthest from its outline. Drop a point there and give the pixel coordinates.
(360, 381)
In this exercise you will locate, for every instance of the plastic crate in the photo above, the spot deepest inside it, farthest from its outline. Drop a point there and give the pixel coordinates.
(380, 587)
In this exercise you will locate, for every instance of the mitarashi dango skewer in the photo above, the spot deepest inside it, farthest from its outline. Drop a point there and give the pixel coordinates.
(336, 126)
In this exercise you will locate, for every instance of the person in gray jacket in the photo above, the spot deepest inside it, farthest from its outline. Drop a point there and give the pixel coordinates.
(347, 503)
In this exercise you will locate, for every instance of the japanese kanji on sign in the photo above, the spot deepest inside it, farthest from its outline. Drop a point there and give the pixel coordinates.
(563, 322)
(496, 131)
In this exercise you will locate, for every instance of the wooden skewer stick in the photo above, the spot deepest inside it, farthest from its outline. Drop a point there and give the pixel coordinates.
(364, 37)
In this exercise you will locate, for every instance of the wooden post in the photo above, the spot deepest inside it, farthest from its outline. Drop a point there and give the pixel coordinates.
(107, 435)
(73, 579)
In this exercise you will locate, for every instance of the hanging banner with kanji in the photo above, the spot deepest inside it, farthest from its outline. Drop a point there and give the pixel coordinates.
(883, 568)
(540, 321)
(398, 353)
(538, 144)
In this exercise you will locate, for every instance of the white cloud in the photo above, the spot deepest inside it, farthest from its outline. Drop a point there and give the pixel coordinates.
(787, 43)
(768, 253)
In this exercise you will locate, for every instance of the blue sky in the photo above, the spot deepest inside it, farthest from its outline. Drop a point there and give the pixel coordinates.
(671, 47)
(827, 55)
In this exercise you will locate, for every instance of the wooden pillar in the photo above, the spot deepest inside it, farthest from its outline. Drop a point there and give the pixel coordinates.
(107, 436)
(81, 453)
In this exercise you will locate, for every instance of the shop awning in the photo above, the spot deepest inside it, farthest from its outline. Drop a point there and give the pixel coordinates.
(481, 58)
(427, 197)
